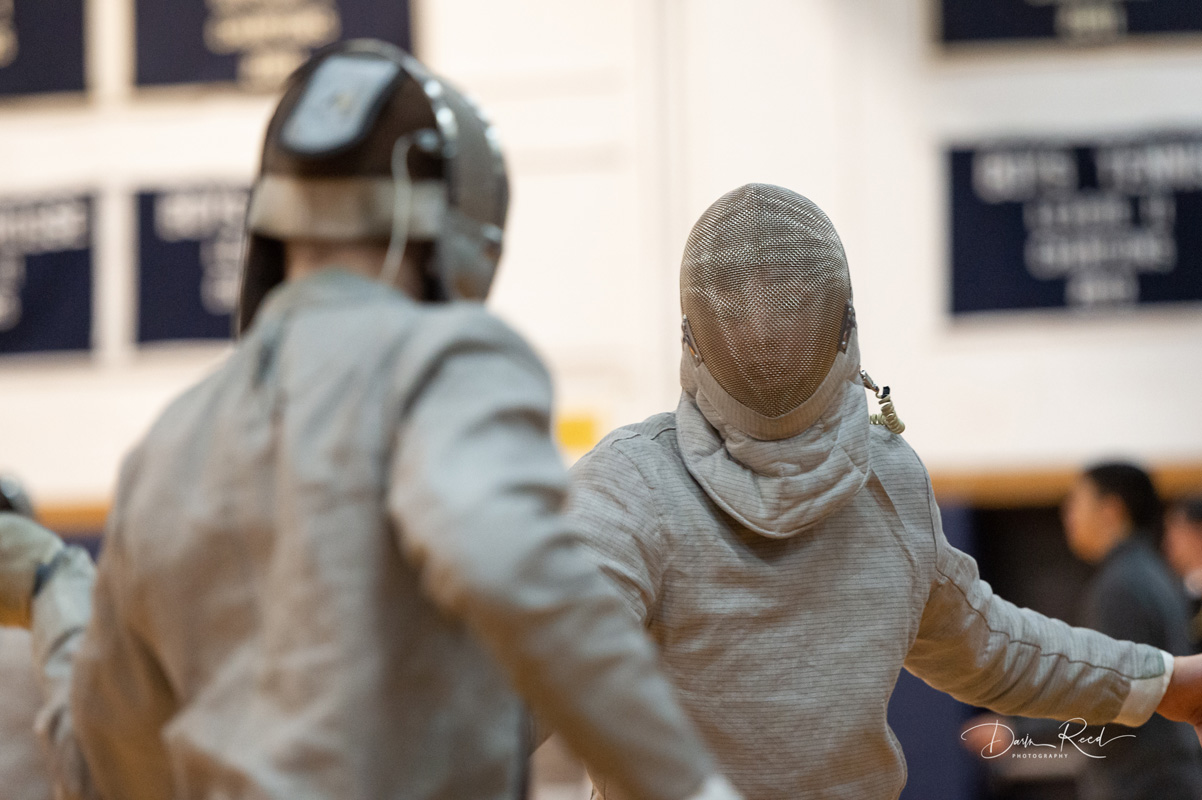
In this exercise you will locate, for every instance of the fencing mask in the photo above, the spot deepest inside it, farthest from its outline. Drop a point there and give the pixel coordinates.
(769, 328)
(366, 145)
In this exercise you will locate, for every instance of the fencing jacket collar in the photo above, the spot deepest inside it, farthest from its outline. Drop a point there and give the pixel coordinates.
(781, 487)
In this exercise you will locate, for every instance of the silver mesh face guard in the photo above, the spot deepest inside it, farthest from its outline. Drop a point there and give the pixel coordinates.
(766, 295)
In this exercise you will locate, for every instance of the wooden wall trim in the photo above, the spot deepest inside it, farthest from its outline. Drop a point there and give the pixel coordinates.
(68, 518)
(1043, 487)
(975, 488)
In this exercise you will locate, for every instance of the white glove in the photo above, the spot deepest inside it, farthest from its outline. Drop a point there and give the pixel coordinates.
(717, 788)
(25, 546)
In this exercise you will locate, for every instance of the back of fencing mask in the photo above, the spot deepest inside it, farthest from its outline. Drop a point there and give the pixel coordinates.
(768, 317)
(368, 146)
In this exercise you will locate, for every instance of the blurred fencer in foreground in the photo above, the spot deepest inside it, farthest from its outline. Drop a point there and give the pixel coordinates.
(14, 497)
(24, 773)
(787, 555)
(327, 562)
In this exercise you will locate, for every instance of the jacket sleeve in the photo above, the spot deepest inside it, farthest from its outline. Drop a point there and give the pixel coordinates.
(106, 698)
(477, 489)
(60, 613)
(985, 651)
(612, 507)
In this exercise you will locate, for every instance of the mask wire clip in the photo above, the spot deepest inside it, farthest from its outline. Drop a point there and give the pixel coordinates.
(686, 332)
(888, 416)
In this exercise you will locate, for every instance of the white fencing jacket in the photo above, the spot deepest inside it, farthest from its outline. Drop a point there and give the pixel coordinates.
(24, 771)
(788, 582)
(325, 565)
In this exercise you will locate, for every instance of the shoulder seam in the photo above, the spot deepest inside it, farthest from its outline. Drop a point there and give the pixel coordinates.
(659, 520)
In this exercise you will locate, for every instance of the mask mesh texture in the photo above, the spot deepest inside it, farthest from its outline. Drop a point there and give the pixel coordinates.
(765, 287)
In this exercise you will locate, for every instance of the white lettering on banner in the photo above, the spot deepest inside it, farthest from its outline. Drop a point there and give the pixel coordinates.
(45, 226)
(8, 34)
(271, 37)
(216, 218)
(1100, 210)
(193, 214)
(1097, 240)
(1151, 167)
(1088, 20)
(1001, 176)
(1059, 254)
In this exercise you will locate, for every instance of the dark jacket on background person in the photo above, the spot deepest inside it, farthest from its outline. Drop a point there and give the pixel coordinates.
(1133, 596)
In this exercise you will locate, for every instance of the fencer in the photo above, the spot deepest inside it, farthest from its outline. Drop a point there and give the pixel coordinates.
(24, 773)
(328, 561)
(787, 555)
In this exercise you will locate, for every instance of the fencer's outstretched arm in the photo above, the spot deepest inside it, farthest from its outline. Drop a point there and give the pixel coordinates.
(477, 493)
(104, 689)
(31, 556)
(986, 651)
(61, 613)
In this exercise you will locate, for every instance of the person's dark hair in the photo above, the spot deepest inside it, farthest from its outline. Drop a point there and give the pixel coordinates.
(1190, 508)
(1133, 488)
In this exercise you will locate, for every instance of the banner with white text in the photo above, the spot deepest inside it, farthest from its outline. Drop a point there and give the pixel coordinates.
(190, 244)
(1065, 21)
(1114, 223)
(45, 274)
(255, 45)
(41, 47)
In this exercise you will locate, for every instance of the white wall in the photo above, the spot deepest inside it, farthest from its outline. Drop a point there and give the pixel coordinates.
(850, 104)
(623, 120)
(1015, 390)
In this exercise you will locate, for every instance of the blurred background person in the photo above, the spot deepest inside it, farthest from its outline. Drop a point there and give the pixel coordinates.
(1112, 520)
(1183, 549)
(24, 772)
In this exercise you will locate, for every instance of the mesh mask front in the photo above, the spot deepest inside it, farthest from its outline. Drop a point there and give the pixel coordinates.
(765, 290)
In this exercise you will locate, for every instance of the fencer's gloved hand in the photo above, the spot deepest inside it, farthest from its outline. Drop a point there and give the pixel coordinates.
(25, 548)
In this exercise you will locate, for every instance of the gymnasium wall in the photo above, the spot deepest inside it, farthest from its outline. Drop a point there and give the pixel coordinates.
(623, 120)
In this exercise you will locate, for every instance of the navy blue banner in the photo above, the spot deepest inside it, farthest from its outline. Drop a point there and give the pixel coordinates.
(1086, 225)
(1072, 21)
(190, 245)
(45, 274)
(41, 46)
(253, 44)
